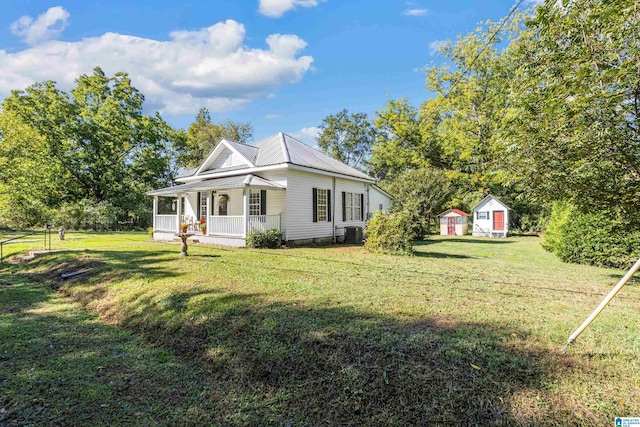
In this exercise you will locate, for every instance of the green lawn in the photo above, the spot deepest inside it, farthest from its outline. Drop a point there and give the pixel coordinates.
(466, 332)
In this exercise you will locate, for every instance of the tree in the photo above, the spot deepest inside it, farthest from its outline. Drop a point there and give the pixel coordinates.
(420, 195)
(399, 145)
(573, 127)
(28, 181)
(347, 138)
(99, 143)
(203, 136)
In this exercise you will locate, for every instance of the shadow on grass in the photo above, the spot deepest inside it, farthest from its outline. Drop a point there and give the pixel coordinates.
(470, 240)
(432, 254)
(264, 363)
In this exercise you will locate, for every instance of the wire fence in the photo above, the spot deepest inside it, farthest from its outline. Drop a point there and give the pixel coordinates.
(44, 236)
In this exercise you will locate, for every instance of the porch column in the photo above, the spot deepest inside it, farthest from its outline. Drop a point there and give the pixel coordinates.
(155, 211)
(209, 210)
(178, 210)
(245, 200)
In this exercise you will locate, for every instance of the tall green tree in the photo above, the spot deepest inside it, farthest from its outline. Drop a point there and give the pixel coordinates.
(203, 135)
(97, 140)
(347, 137)
(399, 144)
(573, 128)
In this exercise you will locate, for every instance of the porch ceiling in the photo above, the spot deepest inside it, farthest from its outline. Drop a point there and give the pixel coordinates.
(240, 181)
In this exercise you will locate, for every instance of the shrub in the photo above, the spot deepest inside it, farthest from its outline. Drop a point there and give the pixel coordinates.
(603, 239)
(391, 233)
(87, 214)
(268, 239)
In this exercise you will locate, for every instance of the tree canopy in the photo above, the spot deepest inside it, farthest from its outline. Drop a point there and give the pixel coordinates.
(203, 136)
(94, 143)
(347, 137)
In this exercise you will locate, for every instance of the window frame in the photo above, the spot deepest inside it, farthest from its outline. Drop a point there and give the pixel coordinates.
(255, 206)
(320, 207)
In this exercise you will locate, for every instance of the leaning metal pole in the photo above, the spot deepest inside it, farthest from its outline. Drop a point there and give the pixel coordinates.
(603, 304)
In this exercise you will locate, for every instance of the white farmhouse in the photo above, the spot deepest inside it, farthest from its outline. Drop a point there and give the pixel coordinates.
(491, 218)
(278, 182)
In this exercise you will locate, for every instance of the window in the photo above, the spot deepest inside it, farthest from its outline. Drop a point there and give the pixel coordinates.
(203, 211)
(352, 206)
(321, 205)
(254, 203)
(482, 215)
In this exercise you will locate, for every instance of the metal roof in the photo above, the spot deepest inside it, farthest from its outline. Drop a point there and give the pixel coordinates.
(458, 211)
(238, 181)
(280, 149)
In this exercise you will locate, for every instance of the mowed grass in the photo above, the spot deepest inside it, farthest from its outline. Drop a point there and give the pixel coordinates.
(466, 332)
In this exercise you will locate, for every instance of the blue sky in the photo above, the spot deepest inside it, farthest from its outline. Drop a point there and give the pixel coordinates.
(283, 65)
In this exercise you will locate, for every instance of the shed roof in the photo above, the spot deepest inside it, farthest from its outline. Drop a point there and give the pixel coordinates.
(458, 211)
(487, 198)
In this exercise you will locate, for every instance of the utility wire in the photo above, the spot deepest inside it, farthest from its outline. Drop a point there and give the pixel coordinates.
(493, 36)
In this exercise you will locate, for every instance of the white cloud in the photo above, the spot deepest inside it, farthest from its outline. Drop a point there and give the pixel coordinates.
(277, 8)
(308, 135)
(436, 45)
(272, 116)
(47, 26)
(415, 12)
(210, 67)
(534, 2)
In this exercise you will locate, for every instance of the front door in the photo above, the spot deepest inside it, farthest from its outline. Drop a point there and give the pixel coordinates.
(451, 226)
(498, 220)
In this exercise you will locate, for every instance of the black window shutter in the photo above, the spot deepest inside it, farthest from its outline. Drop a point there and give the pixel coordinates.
(329, 205)
(361, 207)
(198, 204)
(315, 205)
(344, 206)
(263, 202)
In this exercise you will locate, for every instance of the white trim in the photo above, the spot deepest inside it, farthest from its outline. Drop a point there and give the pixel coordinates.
(333, 174)
(275, 167)
(232, 173)
(215, 153)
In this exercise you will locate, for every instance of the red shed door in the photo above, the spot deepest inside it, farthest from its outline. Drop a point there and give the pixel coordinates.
(451, 226)
(498, 220)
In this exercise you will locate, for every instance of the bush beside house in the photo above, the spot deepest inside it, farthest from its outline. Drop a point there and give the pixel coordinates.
(391, 233)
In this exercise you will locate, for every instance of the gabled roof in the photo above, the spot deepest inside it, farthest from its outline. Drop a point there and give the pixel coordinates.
(458, 211)
(278, 149)
(239, 181)
(489, 197)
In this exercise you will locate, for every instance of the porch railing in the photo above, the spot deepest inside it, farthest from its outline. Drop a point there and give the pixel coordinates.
(166, 223)
(226, 225)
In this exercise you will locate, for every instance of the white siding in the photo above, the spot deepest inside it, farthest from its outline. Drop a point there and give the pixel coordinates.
(349, 186)
(377, 198)
(484, 227)
(227, 158)
(299, 196)
(460, 229)
(235, 205)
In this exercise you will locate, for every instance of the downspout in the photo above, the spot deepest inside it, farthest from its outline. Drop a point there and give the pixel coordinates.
(366, 217)
(333, 209)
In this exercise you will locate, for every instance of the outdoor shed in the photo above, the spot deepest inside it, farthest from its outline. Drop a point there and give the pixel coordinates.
(453, 222)
(491, 218)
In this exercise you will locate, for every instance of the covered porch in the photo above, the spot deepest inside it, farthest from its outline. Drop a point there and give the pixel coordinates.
(221, 211)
